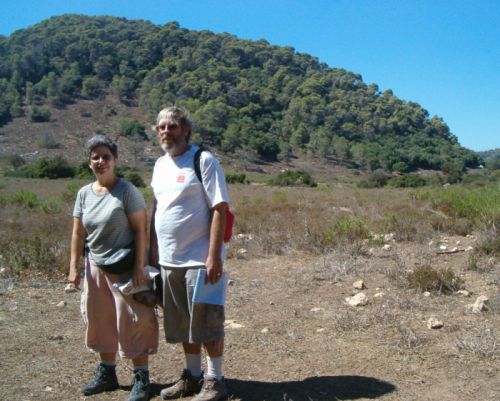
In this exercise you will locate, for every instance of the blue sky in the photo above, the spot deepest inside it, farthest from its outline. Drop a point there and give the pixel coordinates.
(444, 55)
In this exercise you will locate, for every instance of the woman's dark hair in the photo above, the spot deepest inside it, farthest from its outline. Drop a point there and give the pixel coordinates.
(101, 140)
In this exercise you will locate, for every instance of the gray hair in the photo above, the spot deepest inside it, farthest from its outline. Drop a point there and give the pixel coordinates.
(101, 140)
(180, 115)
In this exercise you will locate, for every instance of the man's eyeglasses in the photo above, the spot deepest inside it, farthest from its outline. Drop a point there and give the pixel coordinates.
(170, 126)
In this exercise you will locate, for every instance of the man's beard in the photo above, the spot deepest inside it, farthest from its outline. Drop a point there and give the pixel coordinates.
(170, 150)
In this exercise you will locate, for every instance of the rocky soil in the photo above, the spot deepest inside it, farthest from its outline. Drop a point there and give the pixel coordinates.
(291, 332)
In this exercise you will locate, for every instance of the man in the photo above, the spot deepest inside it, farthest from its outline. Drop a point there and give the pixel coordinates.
(187, 232)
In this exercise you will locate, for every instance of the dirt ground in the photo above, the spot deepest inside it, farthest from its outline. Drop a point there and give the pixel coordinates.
(290, 334)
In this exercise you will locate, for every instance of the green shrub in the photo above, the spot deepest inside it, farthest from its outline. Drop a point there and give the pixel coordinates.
(427, 278)
(342, 229)
(132, 128)
(236, 178)
(135, 179)
(293, 179)
(407, 181)
(279, 197)
(16, 161)
(479, 205)
(39, 114)
(47, 141)
(83, 171)
(377, 179)
(69, 195)
(56, 167)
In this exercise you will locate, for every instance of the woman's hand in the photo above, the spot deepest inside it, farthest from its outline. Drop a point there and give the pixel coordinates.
(138, 277)
(74, 277)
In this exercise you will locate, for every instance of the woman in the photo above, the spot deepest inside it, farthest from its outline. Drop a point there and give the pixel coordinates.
(110, 224)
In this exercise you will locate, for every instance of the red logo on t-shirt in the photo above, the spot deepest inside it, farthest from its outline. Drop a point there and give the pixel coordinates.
(181, 178)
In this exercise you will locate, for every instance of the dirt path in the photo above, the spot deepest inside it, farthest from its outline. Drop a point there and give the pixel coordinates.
(290, 336)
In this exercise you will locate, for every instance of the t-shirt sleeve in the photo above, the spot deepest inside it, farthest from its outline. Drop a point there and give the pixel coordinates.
(78, 208)
(133, 200)
(213, 179)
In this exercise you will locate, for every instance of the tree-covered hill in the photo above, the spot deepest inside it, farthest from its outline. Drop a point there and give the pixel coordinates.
(246, 97)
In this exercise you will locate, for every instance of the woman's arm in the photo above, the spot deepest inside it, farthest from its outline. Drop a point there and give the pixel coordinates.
(138, 222)
(77, 244)
(154, 257)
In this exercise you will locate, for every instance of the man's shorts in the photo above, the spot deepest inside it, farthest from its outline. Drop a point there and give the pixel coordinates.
(185, 321)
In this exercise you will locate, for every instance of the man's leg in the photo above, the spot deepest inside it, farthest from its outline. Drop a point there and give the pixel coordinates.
(214, 386)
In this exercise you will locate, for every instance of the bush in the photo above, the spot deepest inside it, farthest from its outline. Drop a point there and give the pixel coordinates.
(377, 179)
(479, 205)
(47, 141)
(236, 178)
(427, 278)
(83, 171)
(40, 114)
(293, 179)
(54, 168)
(135, 179)
(16, 161)
(132, 128)
(407, 181)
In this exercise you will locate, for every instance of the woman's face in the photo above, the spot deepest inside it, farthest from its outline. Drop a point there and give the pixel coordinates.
(102, 161)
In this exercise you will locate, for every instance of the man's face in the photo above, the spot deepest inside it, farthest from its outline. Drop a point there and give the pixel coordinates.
(173, 139)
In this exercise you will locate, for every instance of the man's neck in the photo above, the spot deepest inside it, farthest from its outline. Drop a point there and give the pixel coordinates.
(178, 150)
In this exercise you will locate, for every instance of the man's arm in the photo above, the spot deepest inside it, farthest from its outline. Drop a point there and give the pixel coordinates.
(214, 259)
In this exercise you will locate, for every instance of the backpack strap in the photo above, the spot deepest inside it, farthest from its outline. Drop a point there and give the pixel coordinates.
(197, 163)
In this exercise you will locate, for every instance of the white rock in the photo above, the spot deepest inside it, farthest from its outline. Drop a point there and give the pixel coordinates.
(241, 253)
(389, 237)
(469, 248)
(480, 305)
(426, 294)
(431, 242)
(314, 310)
(359, 285)
(379, 295)
(458, 242)
(70, 288)
(61, 304)
(434, 323)
(231, 324)
(357, 300)
(264, 330)
(443, 247)
(320, 330)
(245, 237)
(3, 270)
(387, 247)
(230, 282)
(463, 293)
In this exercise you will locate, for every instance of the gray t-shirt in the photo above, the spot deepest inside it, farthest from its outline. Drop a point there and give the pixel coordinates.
(104, 217)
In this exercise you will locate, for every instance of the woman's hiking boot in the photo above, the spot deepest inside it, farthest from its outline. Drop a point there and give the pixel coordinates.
(104, 380)
(140, 386)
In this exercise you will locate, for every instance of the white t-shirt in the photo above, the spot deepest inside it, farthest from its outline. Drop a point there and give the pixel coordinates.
(182, 218)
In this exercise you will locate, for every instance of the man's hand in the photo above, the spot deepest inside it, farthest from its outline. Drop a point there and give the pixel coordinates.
(214, 270)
